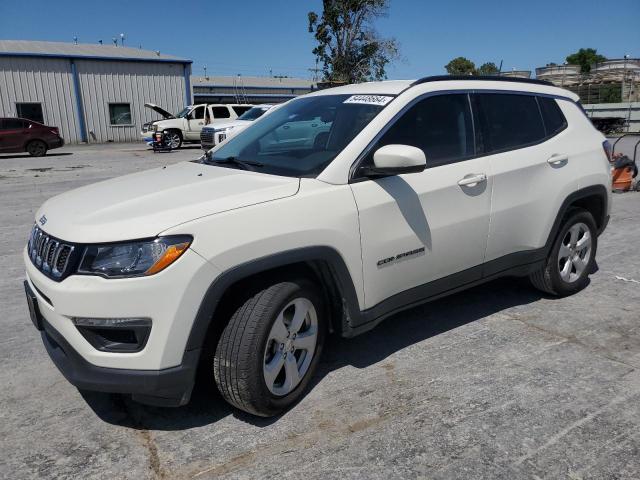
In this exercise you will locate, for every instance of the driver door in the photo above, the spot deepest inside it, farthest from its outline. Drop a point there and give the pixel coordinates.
(195, 122)
(421, 227)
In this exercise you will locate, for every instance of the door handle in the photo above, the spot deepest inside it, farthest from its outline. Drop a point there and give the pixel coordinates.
(557, 159)
(286, 127)
(200, 123)
(472, 180)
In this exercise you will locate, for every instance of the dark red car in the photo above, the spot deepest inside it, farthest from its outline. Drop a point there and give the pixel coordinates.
(21, 135)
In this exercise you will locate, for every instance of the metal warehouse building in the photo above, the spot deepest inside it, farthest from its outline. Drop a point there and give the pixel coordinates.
(93, 93)
(221, 89)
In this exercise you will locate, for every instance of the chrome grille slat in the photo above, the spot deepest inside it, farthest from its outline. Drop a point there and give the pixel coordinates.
(48, 254)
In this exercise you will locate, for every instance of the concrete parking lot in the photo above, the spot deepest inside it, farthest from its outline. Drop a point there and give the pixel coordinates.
(495, 382)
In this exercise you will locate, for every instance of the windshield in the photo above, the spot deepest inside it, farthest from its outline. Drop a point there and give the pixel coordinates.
(302, 137)
(183, 112)
(253, 113)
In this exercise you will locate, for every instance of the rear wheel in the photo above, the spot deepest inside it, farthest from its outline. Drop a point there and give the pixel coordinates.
(270, 348)
(572, 257)
(36, 148)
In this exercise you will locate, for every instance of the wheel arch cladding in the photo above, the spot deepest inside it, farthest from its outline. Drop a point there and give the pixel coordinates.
(592, 198)
(325, 263)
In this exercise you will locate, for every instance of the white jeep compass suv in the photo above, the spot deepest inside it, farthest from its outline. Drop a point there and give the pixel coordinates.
(241, 263)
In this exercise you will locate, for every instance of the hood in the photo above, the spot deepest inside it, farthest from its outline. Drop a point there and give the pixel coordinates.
(227, 124)
(159, 110)
(144, 204)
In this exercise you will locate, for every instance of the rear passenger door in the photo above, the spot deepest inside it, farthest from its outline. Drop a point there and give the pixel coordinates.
(14, 134)
(525, 139)
(421, 227)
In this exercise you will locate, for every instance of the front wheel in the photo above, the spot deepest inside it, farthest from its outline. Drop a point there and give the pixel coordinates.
(173, 139)
(572, 257)
(270, 348)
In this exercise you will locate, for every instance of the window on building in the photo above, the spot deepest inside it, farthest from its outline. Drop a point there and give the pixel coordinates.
(554, 120)
(510, 121)
(120, 114)
(30, 111)
(220, 112)
(440, 126)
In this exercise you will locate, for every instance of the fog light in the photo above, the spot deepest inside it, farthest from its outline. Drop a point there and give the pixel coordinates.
(114, 334)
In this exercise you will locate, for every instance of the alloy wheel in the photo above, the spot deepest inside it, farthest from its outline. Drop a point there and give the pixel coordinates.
(574, 253)
(290, 347)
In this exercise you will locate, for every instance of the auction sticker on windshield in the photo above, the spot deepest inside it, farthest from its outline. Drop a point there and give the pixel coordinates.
(381, 100)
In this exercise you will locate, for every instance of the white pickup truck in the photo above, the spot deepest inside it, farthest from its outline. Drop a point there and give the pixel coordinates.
(186, 125)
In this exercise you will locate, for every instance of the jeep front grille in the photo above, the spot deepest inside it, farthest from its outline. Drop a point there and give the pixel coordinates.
(51, 256)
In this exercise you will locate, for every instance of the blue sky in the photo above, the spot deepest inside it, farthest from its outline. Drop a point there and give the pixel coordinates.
(251, 37)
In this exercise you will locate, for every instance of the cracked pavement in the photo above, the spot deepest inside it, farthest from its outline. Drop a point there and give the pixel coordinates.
(495, 382)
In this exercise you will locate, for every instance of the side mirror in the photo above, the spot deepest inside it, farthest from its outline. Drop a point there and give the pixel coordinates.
(396, 160)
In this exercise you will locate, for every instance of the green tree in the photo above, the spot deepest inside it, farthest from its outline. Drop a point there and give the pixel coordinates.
(585, 57)
(461, 66)
(349, 47)
(488, 68)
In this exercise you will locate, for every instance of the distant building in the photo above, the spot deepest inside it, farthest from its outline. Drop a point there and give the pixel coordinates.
(240, 89)
(516, 74)
(92, 92)
(612, 81)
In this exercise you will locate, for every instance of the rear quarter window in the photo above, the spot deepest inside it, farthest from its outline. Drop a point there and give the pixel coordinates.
(554, 120)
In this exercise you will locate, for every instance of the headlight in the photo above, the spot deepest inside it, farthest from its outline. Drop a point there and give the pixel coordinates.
(225, 129)
(133, 259)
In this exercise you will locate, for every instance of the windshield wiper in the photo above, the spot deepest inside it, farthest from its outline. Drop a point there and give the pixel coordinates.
(233, 160)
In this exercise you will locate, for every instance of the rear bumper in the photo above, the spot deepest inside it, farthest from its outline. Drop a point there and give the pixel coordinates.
(170, 387)
(56, 143)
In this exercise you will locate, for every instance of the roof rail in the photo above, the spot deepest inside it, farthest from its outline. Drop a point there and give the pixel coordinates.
(494, 78)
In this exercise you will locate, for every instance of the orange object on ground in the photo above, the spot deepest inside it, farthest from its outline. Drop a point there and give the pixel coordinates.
(622, 178)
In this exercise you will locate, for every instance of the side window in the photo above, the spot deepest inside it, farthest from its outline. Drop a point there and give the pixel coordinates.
(30, 111)
(554, 121)
(510, 120)
(220, 112)
(240, 109)
(120, 114)
(14, 124)
(440, 126)
(197, 113)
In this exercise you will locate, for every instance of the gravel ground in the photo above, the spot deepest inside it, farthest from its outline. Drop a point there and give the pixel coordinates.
(494, 382)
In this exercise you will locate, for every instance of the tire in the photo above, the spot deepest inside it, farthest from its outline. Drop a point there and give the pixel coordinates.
(257, 343)
(36, 148)
(572, 257)
(174, 139)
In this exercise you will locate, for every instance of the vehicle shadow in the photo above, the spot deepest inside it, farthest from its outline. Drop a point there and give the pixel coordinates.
(26, 155)
(394, 334)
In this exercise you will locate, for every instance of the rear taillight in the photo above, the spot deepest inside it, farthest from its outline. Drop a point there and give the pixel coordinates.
(55, 131)
(607, 150)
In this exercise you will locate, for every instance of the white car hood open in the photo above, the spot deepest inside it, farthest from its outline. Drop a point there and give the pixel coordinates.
(144, 204)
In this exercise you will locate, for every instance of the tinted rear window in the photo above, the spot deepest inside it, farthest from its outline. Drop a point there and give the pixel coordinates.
(13, 124)
(510, 120)
(554, 120)
(220, 112)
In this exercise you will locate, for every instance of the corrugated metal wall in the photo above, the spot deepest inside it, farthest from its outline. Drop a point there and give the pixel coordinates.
(49, 81)
(43, 80)
(136, 83)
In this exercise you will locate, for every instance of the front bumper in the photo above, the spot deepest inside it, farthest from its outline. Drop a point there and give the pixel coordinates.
(170, 387)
